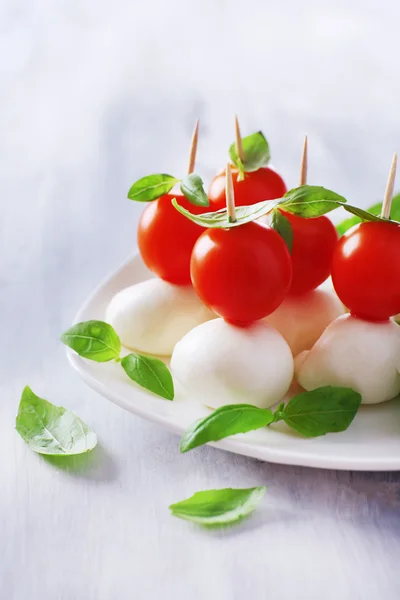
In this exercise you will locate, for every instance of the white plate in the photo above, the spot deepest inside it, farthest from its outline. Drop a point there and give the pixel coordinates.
(371, 443)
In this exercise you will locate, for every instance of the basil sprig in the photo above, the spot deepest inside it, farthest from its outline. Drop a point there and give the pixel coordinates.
(324, 410)
(373, 210)
(306, 201)
(154, 186)
(50, 429)
(256, 153)
(216, 508)
(98, 341)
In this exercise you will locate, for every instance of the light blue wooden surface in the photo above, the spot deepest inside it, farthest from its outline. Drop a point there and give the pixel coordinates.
(94, 95)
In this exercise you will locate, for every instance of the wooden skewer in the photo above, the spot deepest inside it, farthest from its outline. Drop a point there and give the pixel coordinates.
(387, 201)
(230, 197)
(304, 163)
(238, 142)
(193, 148)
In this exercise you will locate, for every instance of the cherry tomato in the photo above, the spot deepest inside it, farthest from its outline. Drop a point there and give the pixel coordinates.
(242, 273)
(314, 241)
(166, 238)
(264, 184)
(366, 270)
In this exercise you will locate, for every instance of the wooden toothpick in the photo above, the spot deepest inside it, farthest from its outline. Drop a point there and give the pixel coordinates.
(387, 201)
(193, 148)
(304, 163)
(238, 140)
(230, 198)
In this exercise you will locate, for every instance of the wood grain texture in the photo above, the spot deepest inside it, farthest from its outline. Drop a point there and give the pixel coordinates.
(95, 96)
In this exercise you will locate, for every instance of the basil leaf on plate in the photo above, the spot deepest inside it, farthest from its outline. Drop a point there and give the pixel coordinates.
(150, 373)
(311, 201)
(213, 508)
(50, 429)
(95, 340)
(152, 187)
(192, 188)
(220, 218)
(282, 225)
(324, 410)
(256, 153)
(223, 422)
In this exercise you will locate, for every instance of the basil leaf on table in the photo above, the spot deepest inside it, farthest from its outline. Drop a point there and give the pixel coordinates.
(282, 225)
(223, 422)
(213, 508)
(192, 188)
(152, 187)
(324, 410)
(50, 429)
(95, 340)
(150, 373)
(256, 153)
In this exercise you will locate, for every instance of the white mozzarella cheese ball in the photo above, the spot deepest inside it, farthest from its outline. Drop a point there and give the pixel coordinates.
(302, 319)
(217, 363)
(354, 353)
(152, 316)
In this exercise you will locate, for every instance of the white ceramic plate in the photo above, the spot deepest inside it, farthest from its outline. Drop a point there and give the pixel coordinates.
(372, 443)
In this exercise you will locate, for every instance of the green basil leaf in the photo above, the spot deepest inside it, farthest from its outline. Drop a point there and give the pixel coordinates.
(223, 422)
(349, 223)
(282, 225)
(50, 429)
(324, 410)
(192, 188)
(151, 187)
(311, 201)
(213, 508)
(220, 218)
(362, 214)
(150, 373)
(95, 340)
(256, 153)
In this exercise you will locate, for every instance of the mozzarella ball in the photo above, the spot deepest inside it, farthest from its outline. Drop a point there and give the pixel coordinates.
(218, 363)
(152, 316)
(302, 319)
(353, 353)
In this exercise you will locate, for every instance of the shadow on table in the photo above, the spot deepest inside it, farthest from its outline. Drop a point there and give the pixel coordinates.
(97, 465)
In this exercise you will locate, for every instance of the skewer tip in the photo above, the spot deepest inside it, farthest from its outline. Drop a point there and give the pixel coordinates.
(387, 201)
(193, 148)
(304, 162)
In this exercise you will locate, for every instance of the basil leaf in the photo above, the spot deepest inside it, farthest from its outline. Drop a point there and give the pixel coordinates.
(95, 340)
(373, 210)
(311, 201)
(282, 225)
(256, 153)
(192, 188)
(324, 410)
(220, 218)
(213, 508)
(362, 214)
(50, 429)
(223, 422)
(150, 373)
(151, 187)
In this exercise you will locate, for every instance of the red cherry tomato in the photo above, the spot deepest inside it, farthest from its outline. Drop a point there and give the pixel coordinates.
(242, 273)
(264, 184)
(166, 238)
(314, 241)
(366, 270)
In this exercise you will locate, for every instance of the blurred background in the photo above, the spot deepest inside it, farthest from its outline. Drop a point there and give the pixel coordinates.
(94, 95)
